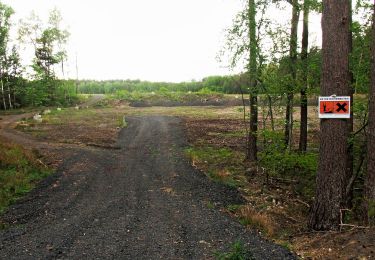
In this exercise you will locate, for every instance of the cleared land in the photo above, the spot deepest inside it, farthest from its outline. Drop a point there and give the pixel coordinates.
(273, 203)
(142, 200)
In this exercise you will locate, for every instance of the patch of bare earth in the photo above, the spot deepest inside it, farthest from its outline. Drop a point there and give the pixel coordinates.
(217, 133)
(76, 133)
(276, 200)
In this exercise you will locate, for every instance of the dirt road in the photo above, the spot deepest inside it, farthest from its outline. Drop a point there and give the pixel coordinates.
(143, 201)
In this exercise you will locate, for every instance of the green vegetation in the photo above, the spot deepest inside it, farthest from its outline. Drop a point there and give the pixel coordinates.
(20, 170)
(233, 208)
(42, 87)
(210, 205)
(222, 165)
(122, 122)
(282, 163)
(221, 84)
(163, 95)
(237, 252)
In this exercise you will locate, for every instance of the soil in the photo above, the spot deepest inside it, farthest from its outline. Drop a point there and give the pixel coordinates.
(141, 201)
(217, 132)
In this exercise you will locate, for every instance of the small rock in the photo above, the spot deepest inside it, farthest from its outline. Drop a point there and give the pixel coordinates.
(46, 112)
(58, 109)
(38, 118)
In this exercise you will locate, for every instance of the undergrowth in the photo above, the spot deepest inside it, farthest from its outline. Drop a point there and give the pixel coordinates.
(20, 170)
(222, 165)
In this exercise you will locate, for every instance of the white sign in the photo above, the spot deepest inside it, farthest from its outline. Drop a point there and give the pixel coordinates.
(334, 107)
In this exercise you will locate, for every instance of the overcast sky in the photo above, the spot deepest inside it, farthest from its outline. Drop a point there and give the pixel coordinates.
(156, 40)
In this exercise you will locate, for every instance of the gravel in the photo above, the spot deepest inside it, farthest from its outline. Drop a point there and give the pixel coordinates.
(142, 201)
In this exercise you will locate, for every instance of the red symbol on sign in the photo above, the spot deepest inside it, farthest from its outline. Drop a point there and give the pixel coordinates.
(327, 107)
(334, 107)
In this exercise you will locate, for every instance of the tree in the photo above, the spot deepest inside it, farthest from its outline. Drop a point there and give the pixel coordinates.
(48, 42)
(369, 197)
(292, 71)
(243, 45)
(252, 148)
(332, 170)
(14, 76)
(304, 56)
(5, 14)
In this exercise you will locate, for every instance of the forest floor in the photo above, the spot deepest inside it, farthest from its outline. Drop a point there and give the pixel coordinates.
(93, 155)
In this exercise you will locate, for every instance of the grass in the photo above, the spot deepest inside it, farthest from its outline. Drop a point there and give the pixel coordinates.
(237, 251)
(210, 205)
(218, 163)
(248, 216)
(122, 122)
(233, 208)
(20, 171)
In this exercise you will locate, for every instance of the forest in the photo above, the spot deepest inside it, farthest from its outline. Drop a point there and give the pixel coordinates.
(21, 87)
(257, 131)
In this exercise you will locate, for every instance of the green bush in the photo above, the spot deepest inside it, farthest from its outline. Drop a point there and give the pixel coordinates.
(280, 162)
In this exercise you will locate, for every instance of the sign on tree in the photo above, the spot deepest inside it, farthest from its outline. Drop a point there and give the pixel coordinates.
(334, 107)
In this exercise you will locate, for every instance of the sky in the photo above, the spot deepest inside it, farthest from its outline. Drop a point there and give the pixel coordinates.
(155, 40)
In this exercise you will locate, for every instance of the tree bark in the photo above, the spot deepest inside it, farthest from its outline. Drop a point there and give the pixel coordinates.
(304, 55)
(269, 98)
(334, 133)
(293, 60)
(3, 94)
(252, 149)
(369, 198)
(9, 98)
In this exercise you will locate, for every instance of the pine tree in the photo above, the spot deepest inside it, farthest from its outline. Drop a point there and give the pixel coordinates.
(332, 170)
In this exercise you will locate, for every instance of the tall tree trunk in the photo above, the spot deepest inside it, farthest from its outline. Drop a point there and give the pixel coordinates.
(369, 198)
(334, 133)
(269, 98)
(304, 53)
(252, 149)
(293, 60)
(3, 95)
(9, 98)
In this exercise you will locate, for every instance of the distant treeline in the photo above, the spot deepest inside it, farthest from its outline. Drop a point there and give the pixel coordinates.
(222, 84)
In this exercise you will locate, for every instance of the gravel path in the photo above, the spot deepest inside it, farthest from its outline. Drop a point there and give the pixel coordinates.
(143, 201)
